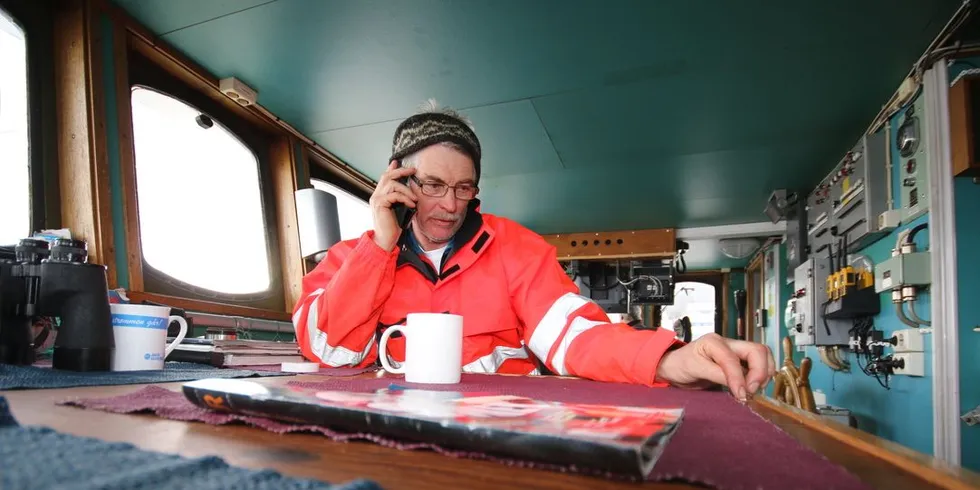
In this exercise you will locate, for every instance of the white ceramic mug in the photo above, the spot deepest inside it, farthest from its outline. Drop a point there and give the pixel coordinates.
(433, 348)
(140, 333)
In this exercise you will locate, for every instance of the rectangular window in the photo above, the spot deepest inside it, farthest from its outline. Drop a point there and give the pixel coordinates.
(15, 184)
(217, 179)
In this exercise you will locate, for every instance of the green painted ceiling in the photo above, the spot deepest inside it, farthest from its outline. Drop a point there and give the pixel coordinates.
(594, 115)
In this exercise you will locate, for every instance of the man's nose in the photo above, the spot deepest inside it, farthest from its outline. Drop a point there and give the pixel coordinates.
(449, 201)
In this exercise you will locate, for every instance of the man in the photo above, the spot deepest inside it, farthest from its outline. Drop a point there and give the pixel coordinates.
(520, 309)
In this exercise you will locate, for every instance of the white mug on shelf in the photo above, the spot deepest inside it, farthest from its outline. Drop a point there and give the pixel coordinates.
(140, 333)
(433, 348)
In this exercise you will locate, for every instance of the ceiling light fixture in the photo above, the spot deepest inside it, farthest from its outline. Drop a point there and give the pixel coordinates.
(738, 248)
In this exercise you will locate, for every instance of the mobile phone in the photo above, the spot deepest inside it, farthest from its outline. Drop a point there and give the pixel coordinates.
(403, 213)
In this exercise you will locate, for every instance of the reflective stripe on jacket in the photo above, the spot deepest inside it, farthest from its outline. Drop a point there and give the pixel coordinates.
(519, 307)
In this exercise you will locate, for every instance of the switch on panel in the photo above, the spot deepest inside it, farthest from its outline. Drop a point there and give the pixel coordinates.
(908, 340)
(910, 364)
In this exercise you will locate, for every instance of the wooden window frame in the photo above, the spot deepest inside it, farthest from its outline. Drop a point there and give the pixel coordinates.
(318, 166)
(83, 176)
(751, 286)
(83, 154)
(265, 146)
(279, 178)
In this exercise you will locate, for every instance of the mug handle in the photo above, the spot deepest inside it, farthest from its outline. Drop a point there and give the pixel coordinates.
(383, 350)
(180, 337)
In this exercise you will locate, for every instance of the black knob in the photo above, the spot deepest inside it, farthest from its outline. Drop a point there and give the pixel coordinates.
(68, 250)
(31, 251)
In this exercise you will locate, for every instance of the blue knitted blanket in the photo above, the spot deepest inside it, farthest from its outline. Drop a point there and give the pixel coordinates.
(34, 377)
(41, 458)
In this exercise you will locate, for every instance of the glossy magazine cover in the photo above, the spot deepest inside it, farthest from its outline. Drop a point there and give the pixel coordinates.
(608, 438)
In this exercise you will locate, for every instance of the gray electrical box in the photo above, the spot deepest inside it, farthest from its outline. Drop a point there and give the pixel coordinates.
(913, 161)
(818, 220)
(811, 285)
(911, 269)
(801, 317)
(796, 238)
(858, 192)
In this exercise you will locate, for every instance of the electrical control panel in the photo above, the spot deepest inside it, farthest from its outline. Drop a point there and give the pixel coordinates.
(858, 191)
(850, 200)
(620, 286)
(913, 164)
(809, 325)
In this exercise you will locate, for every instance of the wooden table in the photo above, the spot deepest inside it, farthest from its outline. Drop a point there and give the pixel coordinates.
(879, 462)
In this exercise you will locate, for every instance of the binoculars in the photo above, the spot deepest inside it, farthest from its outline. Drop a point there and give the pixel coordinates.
(42, 279)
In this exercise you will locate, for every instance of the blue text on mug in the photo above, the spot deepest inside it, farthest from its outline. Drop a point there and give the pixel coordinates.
(140, 321)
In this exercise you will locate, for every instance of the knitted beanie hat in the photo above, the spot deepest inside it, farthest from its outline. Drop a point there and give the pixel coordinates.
(433, 127)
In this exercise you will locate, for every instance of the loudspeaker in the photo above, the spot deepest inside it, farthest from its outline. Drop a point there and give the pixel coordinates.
(319, 222)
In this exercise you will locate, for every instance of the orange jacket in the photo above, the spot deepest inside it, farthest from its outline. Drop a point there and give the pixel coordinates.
(518, 306)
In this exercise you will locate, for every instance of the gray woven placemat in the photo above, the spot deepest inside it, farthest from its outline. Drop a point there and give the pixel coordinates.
(41, 458)
(35, 377)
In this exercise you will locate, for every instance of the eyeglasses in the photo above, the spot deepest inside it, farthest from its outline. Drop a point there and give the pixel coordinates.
(463, 192)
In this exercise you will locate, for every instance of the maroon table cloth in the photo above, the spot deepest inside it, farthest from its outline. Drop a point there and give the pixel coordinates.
(720, 443)
(324, 371)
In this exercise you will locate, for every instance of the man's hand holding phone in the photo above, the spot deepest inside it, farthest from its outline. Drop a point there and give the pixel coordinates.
(391, 192)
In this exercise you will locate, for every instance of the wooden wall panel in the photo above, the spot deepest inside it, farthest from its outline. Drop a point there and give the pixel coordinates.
(83, 167)
(961, 128)
(209, 307)
(754, 283)
(285, 183)
(301, 160)
(660, 242)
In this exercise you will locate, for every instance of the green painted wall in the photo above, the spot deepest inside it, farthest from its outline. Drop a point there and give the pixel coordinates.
(968, 277)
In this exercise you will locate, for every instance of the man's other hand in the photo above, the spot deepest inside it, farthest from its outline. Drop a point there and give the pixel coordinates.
(713, 359)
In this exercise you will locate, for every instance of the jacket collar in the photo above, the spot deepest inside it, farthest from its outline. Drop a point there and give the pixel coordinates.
(410, 251)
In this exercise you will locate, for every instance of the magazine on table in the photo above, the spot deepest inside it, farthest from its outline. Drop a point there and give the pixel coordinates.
(617, 439)
(229, 353)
